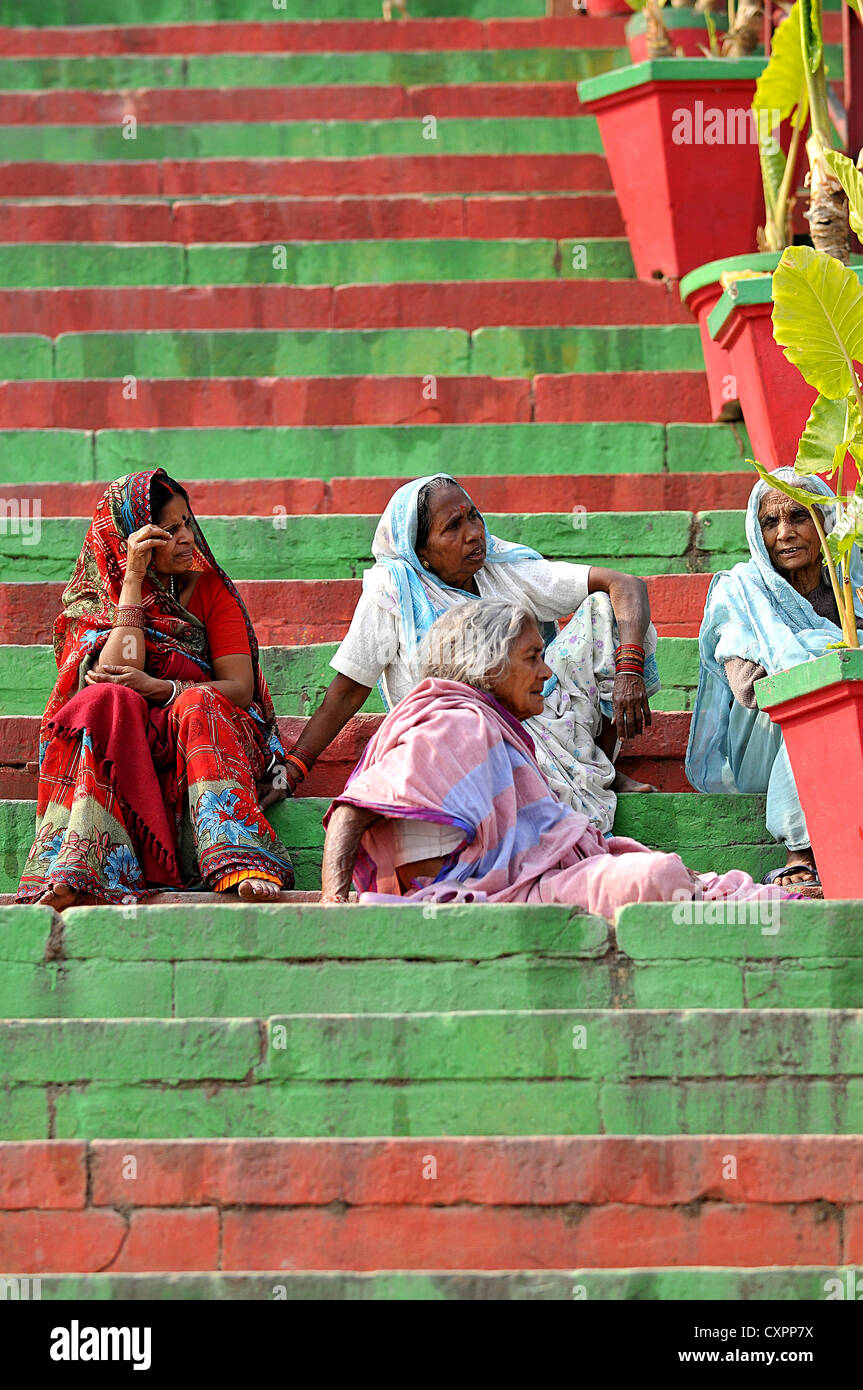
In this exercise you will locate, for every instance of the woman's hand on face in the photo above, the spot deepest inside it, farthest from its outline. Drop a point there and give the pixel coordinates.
(133, 679)
(631, 709)
(281, 782)
(140, 548)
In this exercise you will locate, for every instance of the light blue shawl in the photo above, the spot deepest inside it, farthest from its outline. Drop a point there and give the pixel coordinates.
(422, 596)
(753, 613)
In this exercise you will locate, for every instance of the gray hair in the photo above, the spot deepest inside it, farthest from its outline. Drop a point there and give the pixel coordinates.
(805, 481)
(472, 642)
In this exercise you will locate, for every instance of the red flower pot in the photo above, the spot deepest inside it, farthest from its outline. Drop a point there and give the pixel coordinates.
(819, 707)
(682, 149)
(773, 396)
(599, 8)
(688, 32)
(701, 291)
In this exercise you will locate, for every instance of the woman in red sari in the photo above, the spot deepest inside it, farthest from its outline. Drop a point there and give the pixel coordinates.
(160, 724)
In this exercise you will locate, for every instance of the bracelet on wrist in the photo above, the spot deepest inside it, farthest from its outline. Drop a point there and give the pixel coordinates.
(129, 615)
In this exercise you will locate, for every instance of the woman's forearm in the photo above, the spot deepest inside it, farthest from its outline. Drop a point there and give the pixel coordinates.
(347, 826)
(125, 645)
(344, 697)
(631, 607)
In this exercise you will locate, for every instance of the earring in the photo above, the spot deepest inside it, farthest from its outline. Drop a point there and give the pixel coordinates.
(425, 564)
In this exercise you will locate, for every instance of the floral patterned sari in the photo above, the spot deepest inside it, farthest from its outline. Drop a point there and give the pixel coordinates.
(135, 799)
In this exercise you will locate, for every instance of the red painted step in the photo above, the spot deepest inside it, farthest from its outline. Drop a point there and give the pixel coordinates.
(454, 304)
(368, 175)
(164, 106)
(316, 219)
(665, 397)
(596, 492)
(228, 402)
(491, 1204)
(327, 36)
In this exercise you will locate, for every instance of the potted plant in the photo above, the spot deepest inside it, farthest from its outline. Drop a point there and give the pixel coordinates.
(680, 31)
(818, 321)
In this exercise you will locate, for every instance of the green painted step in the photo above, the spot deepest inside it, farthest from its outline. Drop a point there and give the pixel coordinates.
(339, 547)
(221, 961)
(356, 352)
(709, 832)
(397, 451)
(445, 68)
(303, 139)
(719, 1285)
(510, 1072)
(207, 11)
(309, 263)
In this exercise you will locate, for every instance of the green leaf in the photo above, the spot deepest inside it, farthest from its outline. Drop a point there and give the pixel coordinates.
(847, 531)
(810, 21)
(818, 318)
(799, 494)
(823, 437)
(773, 164)
(782, 85)
(852, 181)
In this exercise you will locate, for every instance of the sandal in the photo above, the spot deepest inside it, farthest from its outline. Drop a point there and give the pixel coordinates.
(812, 882)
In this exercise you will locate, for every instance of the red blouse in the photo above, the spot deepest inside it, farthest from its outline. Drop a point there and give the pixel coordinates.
(221, 615)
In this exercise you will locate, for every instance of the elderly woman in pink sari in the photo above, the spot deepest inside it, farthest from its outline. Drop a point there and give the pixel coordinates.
(449, 804)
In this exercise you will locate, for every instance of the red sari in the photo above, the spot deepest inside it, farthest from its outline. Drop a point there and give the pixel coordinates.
(133, 798)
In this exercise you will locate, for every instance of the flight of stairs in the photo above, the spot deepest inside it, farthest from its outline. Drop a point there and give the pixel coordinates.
(337, 255)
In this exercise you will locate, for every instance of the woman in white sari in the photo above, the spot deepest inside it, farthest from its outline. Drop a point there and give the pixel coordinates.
(432, 551)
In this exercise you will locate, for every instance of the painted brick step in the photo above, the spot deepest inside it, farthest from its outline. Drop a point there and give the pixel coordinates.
(78, 12)
(215, 960)
(321, 263)
(287, 220)
(665, 397)
(400, 451)
(339, 547)
(497, 352)
(667, 1072)
(297, 139)
(406, 70)
(622, 492)
(467, 305)
(331, 36)
(488, 1204)
(370, 176)
(719, 1285)
(709, 832)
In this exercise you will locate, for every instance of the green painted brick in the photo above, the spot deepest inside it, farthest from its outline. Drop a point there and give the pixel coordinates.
(307, 1110)
(24, 936)
(780, 1105)
(399, 451)
(339, 547)
(681, 819)
(677, 659)
(87, 989)
(313, 69)
(91, 263)
(596, 258)
(302, 139)
(369, 1109)
(825, 984)
(164, 1050)
(695, 985)
(370, 262)
(25, 356)
(707, 448)
(724, 532)
(216, 932)
(258, 352)
(790, 1284)
(223, 990)
(70, 12)
(24, 1112)
(46, 455)
(633, 348)
(806, 931)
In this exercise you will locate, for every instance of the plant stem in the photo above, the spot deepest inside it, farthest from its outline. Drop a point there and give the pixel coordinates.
(838, 594)
(781, 214)
(850, 623)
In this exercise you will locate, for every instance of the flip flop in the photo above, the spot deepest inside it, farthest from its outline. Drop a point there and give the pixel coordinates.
(774, 874)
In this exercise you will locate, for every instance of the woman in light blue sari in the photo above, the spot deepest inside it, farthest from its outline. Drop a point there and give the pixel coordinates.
(432, 551)
(766, 615)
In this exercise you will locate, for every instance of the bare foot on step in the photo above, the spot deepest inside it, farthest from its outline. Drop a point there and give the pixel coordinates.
(256, 890)
(624, 783)
(59, 896)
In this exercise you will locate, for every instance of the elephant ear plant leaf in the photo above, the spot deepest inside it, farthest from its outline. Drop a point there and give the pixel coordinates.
(818, 321)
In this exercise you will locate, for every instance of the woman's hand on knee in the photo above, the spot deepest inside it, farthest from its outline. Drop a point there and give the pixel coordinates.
(630, 705)
(282, 781)
(149, 686)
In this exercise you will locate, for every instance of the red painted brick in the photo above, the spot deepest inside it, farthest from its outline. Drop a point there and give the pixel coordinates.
(585, 214)
(323, 36)
(20, 222)
(852, 1253)
(40, 179)
(494, 1238)
(42, 1174)
(229, 402)
(664, 397)
(169, 1240)
(677, 606)
(53, 1242)
(74, 310)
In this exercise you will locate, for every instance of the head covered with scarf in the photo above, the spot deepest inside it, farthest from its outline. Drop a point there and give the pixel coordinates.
(753, 612)
(91, 597)
(422, 596)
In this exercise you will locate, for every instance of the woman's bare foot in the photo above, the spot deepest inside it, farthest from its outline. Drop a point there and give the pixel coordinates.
(799, 871)
(59, 896)
(256, 890)
(624, 783)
